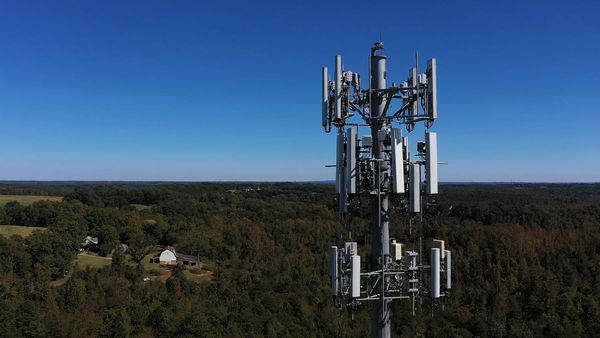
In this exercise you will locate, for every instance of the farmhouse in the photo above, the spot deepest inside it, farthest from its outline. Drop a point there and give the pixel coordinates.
(170, 257)
(90, 243)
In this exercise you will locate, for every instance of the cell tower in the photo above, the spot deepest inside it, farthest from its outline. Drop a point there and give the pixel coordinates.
(376, 167)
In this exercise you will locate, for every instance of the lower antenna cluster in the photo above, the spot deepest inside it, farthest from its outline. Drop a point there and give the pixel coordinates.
(400, 276)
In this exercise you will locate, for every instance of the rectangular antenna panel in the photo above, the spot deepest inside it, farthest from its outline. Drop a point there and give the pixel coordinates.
(338, 87)
(325, 101)
(415, 188)
(448, 269)
(339, 163)
(414, 110)
(431, 162)
(397, 162)
(333, 269)
(355, 276)
(432, 89)
(435, 273)
(351, 161)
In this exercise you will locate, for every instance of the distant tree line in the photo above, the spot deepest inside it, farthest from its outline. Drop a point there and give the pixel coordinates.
(525, 261)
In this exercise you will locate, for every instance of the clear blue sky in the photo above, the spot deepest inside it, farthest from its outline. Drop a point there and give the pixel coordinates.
(184, 90)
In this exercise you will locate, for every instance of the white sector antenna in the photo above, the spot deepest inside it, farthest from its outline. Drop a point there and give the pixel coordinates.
(435, 273)
(431, 162)
(355, 276)
(414, 199)
(351, 161)
(397, 163)
(325, 101)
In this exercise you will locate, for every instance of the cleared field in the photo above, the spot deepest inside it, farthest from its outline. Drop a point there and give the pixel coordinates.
(84, 259)
(27, 199)
(199, 277)
(23, 231)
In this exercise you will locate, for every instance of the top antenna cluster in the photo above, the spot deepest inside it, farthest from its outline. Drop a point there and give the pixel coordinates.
(344, 95)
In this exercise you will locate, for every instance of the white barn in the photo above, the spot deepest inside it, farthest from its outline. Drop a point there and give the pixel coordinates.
(168, 256)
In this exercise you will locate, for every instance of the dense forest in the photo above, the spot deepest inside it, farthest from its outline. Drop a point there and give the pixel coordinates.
(526, 261)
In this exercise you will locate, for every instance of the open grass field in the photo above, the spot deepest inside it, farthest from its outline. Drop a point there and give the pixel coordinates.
(27, 199)
(92, 260)
(200, 276)
(83, 260)
(23, 231)
(141, 207)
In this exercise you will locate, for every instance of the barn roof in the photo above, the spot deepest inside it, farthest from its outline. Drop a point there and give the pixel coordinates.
(190, 258)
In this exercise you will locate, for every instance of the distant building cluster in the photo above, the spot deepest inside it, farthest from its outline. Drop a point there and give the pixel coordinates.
(237, 191)
(168, 256)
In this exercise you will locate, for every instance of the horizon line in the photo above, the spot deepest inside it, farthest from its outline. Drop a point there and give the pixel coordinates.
(275, 181)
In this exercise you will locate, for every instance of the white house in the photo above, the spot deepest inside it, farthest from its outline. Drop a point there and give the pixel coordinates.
(90, 243)
(168, 256)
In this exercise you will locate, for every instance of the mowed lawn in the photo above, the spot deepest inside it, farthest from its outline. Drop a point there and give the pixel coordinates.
(141, 207)
(27, 199)
(91, 260)
(23, 231)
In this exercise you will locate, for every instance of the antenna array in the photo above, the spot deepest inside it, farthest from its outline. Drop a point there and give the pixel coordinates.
(375, 167)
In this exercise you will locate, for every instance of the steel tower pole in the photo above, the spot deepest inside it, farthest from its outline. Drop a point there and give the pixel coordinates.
(380, 236)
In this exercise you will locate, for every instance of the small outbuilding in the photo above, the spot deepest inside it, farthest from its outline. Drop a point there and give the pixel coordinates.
(187, 259)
